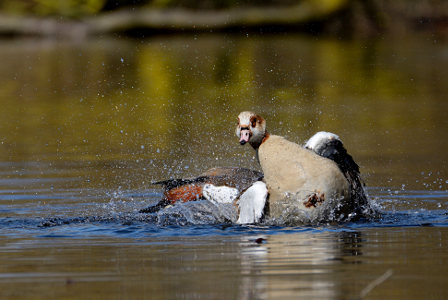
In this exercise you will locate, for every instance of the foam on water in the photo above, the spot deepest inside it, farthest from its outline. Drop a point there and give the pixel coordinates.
(120, 218)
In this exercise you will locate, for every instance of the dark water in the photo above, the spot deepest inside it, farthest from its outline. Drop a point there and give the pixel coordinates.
(85, 128)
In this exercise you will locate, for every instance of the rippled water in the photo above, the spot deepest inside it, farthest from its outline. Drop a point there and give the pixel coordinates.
(85, 128)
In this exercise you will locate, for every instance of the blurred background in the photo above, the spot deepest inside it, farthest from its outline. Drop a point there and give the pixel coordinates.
(344, 17)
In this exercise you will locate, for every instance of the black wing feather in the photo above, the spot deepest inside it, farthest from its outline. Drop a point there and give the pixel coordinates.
(173, 183)
(334, 149)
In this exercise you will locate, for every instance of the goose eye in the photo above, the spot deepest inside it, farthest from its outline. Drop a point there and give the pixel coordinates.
(254, 122)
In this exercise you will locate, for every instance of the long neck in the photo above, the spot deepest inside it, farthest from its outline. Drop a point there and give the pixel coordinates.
(257, 142)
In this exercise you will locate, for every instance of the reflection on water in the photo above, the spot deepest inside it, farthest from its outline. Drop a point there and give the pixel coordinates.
(85, 128)
(292, 265)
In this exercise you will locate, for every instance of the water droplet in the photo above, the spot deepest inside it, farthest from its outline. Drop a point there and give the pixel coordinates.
(142, 147)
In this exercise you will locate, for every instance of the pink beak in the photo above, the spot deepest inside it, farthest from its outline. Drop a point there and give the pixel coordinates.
(244, 136)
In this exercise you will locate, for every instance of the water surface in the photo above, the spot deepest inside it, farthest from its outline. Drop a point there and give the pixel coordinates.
(85, 127)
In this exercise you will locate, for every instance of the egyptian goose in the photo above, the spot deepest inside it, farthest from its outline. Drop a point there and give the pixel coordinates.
(240, 186)
(317, 182)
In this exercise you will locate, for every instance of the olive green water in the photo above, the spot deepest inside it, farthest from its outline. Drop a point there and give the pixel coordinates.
(85, 127)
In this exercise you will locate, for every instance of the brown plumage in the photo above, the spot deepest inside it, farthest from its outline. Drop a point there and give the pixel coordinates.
(185, 190)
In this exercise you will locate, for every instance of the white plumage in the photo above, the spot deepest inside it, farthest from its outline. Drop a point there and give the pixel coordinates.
(252, 202)
(319, 139)
(219, 194)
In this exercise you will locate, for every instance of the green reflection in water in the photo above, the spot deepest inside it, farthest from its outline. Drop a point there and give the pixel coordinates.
(167, 106)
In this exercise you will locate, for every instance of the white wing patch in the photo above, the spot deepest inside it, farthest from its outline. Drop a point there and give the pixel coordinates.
(219, 194)
(251, 203)
(320, 138)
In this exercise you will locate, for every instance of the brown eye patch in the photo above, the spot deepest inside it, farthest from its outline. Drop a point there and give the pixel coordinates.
(253, 121)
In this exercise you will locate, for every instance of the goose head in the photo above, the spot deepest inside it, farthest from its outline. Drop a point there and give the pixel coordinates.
(251, 129)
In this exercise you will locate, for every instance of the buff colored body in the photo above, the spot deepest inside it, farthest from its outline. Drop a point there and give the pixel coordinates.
(295, 176)
(302, 185)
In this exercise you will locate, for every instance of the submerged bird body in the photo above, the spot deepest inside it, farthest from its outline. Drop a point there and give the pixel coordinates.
(185, 190)
(238, 186)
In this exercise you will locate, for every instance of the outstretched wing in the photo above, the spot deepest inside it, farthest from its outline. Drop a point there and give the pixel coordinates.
(327, 144)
